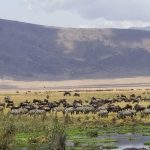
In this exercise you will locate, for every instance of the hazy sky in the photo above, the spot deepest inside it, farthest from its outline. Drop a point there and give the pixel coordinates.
(78, 13)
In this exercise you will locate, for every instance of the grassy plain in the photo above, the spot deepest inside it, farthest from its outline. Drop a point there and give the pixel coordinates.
(80, 131)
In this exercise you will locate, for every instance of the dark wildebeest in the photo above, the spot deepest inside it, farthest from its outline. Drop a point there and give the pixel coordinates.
(127, 107)
(76, 94)
(2, 104)
(36, 101)
(132, 96)
(7, 99)
(47, 97)
(139, 108)
(148, 107)
(67, 93)
(123, 96)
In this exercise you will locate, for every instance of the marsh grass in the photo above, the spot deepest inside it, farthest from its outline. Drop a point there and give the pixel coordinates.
(57, 136)
(7, 136)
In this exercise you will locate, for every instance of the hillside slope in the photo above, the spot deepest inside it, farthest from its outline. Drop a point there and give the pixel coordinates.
(33, 52)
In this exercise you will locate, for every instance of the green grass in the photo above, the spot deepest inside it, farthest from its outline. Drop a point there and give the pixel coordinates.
(37, 128)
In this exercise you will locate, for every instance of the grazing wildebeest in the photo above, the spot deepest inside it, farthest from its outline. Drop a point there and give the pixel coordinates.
(79, 110)
(139, 97)
(88, 109)
(123, 96)
(20, 111)
(15, 107)
(139, 108)
(126, 113)
(67, 93)
(127, 107)
(75, 105)
(2, 104)
(145, 113)
(47, 109)
(15, 112)
(103, 113)
(70, 110)
(76, 94)
(9, 105)
(101, 108)
(113, 108)
(132, 96)
(35, 112)
(36, 101)
(136, 100)
(46, 100)
(77, 101)
(7, 99)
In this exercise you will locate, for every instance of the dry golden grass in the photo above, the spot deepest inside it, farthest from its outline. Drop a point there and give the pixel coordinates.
(84, 96)
(57, 95)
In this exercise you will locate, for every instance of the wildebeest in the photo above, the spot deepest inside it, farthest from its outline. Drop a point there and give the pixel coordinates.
(47, 96)
(76, 94)
(19, 111)
(70, 110)
(126, 113)
(2, 104)
(100, 106)
(36, 101)
(139, 107)
(77, 103)
(35, 112)
(127, 106)
(113, 108)
(136, 100)
(103, 113)
(7, 99)
(145, 113)
(88, 109)
(148, 107)
(67, 93)
(132, 96)
(9, 105)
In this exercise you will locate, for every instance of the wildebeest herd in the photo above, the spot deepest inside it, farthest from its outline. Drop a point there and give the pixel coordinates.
(101, 107)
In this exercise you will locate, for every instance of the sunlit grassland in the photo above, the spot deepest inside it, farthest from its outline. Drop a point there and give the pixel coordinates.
(84, 95)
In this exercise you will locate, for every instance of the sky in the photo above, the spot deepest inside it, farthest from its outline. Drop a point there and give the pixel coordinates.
(78, 13)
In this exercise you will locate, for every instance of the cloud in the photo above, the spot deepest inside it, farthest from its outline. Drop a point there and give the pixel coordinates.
(137, 10)
(101, 23)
